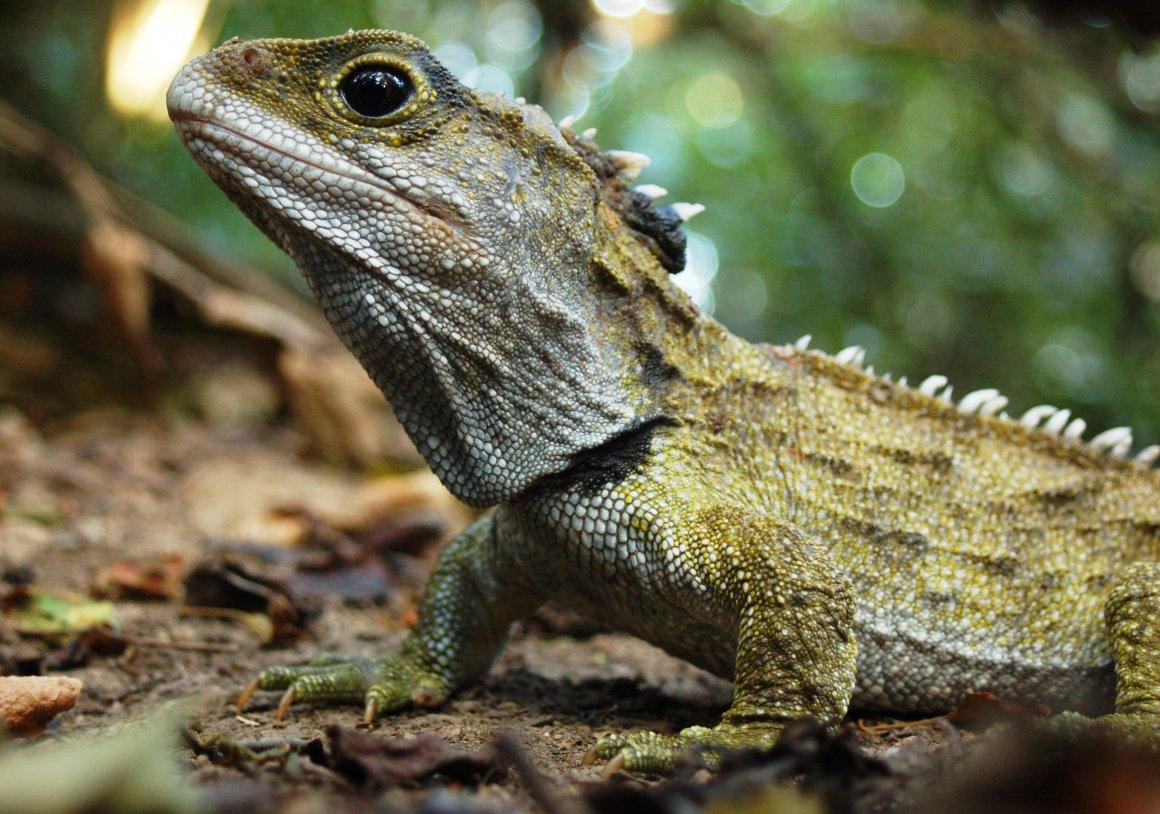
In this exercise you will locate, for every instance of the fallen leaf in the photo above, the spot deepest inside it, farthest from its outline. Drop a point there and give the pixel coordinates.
(28, 703)
(366, 582)
(224, 749)
(387, 499)
(827, 771)
(325, 563)
(79, 650)
(133, 771)
(381, 763)
(44, 612)
(160, 579)
(228, 589)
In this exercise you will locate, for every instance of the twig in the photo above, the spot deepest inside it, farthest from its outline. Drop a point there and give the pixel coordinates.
(207, 647)
(539, 789)
(889, 727)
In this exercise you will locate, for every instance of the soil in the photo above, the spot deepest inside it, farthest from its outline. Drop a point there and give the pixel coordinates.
(118, 486)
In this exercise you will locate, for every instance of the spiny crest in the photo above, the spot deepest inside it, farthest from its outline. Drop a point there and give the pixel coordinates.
(658, 227)
(990, 403)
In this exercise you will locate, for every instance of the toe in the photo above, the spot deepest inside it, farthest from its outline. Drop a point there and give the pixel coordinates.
(279, 678)
(636, 752)
(342, 682)
(607, 747)
(650, 759)
(385, 697)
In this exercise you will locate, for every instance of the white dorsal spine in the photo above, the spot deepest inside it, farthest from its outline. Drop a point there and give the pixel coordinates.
(1057, 422)
(628, 164)
(1110, 439)
(993, 405)
(932, 384)
(651, 191)
(1032, 417)
(854, 356)
(687, 211)
(971, 402)
(990, 403)
(1148, 455)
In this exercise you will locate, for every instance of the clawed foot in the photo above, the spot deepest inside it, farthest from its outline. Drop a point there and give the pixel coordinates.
(381, 685)
(656, 753)
(1139, 730)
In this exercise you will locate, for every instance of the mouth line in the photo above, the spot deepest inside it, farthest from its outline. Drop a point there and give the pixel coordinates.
(353, 174)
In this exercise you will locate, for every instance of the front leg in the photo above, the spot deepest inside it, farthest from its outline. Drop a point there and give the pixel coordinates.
(795, 647)
(473, 595)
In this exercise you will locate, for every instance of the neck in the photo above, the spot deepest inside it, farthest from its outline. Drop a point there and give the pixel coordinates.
(500, 384)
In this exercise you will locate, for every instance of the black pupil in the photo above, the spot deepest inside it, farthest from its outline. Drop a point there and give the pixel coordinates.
(375, 90)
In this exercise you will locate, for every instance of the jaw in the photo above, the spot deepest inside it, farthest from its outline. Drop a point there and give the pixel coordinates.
(497, 387)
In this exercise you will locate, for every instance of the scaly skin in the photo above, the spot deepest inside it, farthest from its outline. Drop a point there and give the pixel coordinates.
(819, 535)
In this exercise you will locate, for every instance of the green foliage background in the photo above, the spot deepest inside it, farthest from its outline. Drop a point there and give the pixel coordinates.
(1023, 251)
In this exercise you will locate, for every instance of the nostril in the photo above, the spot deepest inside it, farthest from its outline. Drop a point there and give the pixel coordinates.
(254, 59)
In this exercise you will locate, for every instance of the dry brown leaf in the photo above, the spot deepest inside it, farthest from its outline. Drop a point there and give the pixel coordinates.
(227, 588)
(28, 703)
(378, 763)
(391, 496)
(140, 580)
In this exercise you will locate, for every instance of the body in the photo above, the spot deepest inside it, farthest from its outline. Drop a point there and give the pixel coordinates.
(966, 577)
(820, 535)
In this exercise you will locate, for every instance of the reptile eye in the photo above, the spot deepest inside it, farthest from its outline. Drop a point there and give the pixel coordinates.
(375, 91)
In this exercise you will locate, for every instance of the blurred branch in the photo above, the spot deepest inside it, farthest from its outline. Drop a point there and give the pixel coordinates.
(563, 23)
(1138, 20)
(126, 246)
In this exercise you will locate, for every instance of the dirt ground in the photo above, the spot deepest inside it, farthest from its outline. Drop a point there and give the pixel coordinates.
(117, 486)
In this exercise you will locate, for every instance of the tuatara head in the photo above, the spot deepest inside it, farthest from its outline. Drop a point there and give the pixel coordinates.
(450, 237)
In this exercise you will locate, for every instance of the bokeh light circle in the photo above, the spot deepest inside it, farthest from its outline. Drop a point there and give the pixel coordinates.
(878, 180)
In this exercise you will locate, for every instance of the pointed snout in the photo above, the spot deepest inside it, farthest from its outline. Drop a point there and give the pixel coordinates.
(190, 93)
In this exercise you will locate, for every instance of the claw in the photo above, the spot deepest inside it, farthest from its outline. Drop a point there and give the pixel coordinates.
(283, 705)
(370, 711)
(246, 694)
(590, 757)
(614, 765)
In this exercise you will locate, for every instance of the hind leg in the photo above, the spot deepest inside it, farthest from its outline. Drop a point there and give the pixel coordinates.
(1133, 618)
(1132, 613)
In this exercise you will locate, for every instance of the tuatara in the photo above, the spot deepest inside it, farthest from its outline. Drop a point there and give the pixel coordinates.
(784, 518)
